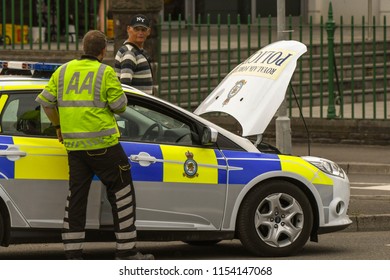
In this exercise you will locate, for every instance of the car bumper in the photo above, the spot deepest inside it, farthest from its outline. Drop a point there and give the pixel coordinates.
(335, 212)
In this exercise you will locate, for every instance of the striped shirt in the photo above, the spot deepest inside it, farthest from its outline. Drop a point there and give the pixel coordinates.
(133, 68)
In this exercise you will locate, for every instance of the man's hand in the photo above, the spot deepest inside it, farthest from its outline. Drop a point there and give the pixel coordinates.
(59, 135)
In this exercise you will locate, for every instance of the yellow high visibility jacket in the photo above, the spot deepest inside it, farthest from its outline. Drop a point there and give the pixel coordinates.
(87, 94)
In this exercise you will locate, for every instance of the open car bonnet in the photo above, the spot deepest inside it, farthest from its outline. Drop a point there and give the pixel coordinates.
(253, 91)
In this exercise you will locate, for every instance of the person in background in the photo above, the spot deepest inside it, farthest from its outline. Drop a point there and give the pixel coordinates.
(87, 94)
(132, 65)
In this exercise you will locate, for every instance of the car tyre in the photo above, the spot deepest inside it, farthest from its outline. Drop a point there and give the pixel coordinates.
(275, 219)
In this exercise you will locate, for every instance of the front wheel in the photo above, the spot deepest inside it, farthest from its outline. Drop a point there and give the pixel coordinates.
(275, 219)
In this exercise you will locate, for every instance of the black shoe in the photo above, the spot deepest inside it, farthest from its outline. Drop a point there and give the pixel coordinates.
(138, 256)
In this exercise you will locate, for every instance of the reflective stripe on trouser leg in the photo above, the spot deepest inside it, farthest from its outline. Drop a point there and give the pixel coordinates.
(73, 241)
(124, 216)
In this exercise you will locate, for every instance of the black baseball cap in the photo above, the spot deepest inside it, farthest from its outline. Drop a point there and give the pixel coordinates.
(140, 20)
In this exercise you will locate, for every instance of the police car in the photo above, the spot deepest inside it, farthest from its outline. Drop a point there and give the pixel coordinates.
(194, 181)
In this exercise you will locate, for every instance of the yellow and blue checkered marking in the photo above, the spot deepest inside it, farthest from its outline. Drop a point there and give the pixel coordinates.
(47, 160)
(7, 167)
(252, 164)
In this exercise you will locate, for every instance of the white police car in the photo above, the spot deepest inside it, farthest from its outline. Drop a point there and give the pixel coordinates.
(194, 181)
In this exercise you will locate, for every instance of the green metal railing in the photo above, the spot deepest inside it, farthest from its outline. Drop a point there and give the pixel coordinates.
(50, 24)
(195, 55)
(344, 75)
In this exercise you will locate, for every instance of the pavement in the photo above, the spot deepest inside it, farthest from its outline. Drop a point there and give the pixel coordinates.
(368, 169)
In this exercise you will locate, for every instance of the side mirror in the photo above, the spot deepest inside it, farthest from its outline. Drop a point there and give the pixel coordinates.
(209, 136)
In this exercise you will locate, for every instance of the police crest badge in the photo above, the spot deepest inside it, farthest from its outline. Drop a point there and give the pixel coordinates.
(236, 88)
(190, 166)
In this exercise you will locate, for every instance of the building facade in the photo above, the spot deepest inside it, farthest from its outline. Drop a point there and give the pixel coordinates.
(191, 9)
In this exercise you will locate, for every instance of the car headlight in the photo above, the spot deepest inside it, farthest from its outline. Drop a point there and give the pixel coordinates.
(326, 166)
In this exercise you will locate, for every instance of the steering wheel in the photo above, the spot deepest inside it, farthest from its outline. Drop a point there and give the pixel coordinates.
(183, 136)
(150, 135)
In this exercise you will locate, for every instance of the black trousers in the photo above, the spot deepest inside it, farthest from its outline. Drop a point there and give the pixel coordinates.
(112, 167)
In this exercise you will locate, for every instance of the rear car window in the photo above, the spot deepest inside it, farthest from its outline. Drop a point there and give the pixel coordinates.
(21, 115)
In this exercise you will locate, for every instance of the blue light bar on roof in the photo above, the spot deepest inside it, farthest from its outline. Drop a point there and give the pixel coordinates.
(33, 66)
(40, 66)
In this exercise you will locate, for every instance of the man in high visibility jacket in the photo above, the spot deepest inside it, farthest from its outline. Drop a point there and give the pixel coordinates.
(87, 93)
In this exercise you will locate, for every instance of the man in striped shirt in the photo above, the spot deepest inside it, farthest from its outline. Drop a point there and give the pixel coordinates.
(132, 64)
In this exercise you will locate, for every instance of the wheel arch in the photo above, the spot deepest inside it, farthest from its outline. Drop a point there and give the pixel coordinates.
(7, 223)
(308, 189)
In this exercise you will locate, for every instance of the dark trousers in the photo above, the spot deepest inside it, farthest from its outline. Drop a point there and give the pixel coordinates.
(112, 167)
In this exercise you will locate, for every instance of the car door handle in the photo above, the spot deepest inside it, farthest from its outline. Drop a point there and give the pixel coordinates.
(144, 159)
(12, 153)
